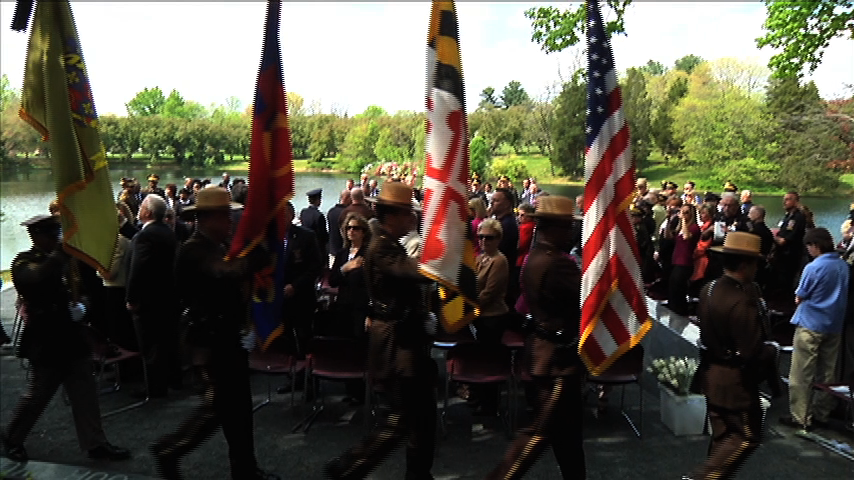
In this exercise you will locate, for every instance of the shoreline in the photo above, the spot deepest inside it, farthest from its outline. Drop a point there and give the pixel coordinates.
(842, 190)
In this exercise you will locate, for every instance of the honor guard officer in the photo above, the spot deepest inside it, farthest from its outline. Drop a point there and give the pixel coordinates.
(735, 358)
(152, 186)
(399, 349)
(55, 344)
(551, 282)
(216, 312)
(313, 219)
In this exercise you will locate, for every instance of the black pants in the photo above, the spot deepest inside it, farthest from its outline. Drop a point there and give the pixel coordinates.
(558, 423)
(76, 376)
(159, 334)
(735, 435)
(412, 417)
(489, 330)
(226, 402)
(677, 288)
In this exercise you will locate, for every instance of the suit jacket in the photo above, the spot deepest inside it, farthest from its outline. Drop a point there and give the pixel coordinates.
(552, 285)
(333, 218)
(151, 276)
(733, 333)
(312, 219)
(509, 238)
(303, 266)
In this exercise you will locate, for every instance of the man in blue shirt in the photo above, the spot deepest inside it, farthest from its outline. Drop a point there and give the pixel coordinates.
(821, 299)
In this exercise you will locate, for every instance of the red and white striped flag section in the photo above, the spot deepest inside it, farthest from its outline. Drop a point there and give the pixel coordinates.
(613, 310)
(447, 252)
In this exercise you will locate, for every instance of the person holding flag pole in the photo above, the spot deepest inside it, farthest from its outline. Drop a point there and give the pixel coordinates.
(216, 306)
(612, 318)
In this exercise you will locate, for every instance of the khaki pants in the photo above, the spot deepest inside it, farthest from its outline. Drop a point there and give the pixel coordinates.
(813, 361)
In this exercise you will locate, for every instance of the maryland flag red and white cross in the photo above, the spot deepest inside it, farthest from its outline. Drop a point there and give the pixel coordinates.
(613, 311)
(447, 252)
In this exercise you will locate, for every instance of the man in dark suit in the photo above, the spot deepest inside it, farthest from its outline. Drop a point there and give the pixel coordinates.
(303, 266)
(54, 342)
(151, 296)
(551, 282)
(734, 357)
(313, 219)
(333, 218)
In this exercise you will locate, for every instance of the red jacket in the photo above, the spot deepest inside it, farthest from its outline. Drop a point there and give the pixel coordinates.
(526, 234)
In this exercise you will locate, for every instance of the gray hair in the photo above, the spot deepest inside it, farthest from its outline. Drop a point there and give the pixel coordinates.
(155, 205)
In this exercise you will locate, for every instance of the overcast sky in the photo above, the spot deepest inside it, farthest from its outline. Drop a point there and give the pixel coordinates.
(351, 55)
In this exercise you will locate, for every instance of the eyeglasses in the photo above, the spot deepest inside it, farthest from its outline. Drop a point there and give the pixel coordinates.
(354, 227)
(487, 237)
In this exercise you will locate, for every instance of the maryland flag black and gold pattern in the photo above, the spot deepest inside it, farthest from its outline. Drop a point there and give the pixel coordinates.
(447, 252)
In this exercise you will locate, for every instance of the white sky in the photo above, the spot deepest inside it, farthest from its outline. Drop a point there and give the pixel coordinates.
(352, 55)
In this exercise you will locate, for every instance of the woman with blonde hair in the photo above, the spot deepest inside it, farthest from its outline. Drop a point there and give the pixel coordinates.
(477, 212)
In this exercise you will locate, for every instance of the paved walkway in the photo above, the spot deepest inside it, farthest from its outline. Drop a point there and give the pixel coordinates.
(612, 450)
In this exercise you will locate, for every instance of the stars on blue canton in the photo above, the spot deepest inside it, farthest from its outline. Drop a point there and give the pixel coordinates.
(599, 68)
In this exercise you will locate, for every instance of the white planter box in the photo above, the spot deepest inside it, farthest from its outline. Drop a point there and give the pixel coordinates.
(683, 414)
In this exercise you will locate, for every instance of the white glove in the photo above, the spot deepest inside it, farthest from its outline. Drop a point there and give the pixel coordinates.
(78, 311)
(248, 340)
(431, 324)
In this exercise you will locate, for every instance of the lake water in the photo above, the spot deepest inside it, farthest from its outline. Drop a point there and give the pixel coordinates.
(23, 195)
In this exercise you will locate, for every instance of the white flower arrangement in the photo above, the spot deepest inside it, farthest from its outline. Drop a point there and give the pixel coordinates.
(674, 373)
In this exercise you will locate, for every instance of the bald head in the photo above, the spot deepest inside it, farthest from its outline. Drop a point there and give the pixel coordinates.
(344, 198)
(357, 195)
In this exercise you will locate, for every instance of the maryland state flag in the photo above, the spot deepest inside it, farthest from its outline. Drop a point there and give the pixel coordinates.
(57, 101)
(447, 254)
(271, 181)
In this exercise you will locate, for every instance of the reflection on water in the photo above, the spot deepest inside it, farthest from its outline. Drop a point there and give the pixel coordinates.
(24, 194)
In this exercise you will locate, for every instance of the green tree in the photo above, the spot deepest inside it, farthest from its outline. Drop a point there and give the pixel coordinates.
(653, 67)
(487, 98)
(8, 95)
(147, 102)
(662, 123)
(513, 95)
(555, 29)
(569, 139)
(803, 30)
(637, 106)
(688, 63)
(358, 148)
(295, 104)
(513, 167)
(480, 158)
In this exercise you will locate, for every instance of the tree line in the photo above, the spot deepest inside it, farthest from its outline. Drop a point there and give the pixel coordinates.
(726, 119)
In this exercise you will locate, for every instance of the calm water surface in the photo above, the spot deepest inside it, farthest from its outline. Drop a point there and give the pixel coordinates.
(23, 195)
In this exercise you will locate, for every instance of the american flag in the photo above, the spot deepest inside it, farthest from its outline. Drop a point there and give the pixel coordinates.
(613, 311)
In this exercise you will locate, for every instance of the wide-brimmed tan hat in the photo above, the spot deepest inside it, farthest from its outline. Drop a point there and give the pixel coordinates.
(211, 199)
(740, 243)
(394, 194)
(554, 207)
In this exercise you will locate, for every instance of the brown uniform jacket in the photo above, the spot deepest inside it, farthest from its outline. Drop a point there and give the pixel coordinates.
(493, 274)
(398, 344)
(732, 331)
(552, 286)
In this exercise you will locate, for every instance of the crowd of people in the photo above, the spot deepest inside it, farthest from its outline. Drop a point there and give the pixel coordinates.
(365, 249)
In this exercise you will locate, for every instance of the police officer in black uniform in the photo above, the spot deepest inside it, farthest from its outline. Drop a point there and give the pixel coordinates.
(313, 219)
(399, 349)
(787, 254)
(215, 308)
(54, 341)
(153, 188)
